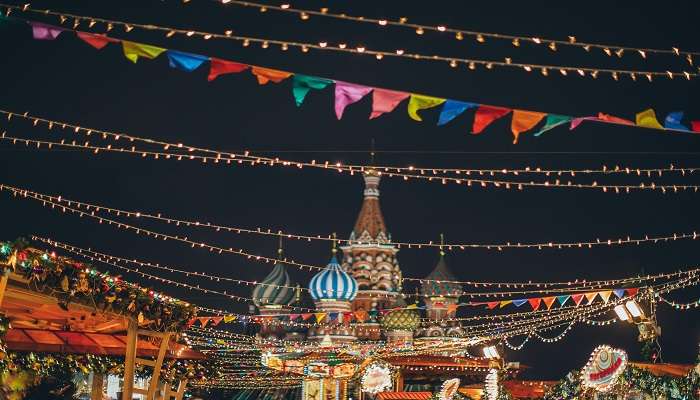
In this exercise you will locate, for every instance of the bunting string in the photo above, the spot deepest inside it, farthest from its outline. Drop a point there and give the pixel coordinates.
(50, 32)
(469, 182)
(460, 34)
(268, 232)
(246, 157)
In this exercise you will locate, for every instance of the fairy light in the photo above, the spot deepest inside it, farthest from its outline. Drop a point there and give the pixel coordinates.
(305, 47)
(469, 182)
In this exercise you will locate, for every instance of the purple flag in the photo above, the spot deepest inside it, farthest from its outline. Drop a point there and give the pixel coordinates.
(346, 94)
(45, 31)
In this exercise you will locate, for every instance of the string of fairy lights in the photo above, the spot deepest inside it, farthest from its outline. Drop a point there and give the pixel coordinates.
(305, 47)
(216, 156)
(628, 240)
(469, 182)
(460, 34)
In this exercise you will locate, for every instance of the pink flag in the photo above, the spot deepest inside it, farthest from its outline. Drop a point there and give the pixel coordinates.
(384, 101)
(577, 121)
(45, 31)
(346, 94)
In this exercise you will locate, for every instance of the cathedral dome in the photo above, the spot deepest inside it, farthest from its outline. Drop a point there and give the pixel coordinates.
(404, 319)
(441, 282)
(332, 283)
(275, 289)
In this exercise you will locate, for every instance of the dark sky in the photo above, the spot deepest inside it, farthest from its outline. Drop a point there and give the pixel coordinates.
(68, 80)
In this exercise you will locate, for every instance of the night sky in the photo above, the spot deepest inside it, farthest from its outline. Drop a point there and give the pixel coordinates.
(68, 80)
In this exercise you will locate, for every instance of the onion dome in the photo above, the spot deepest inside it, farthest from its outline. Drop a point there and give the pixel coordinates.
(276, 288)
(332, 283)
(440, 282)
(407, 319)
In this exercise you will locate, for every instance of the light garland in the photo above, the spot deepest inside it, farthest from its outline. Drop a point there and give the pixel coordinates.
(491, 385)
(269, 232)
(361, 50)
(253, 160)
(460, 34)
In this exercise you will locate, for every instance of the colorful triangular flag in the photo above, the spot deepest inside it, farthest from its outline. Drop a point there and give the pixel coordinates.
(535, 303)
(548, 301)
(485, 115)
(523, 121)
(591, 297)
(419, 102)
(451, 109)
(619, 293)
(132, 51)
(187, 62)
(563, 299)
(647, 119)
(505, 303)
(346, 94)
(41, 31)
(385, 101)
(302, 85)
(577, 298)
(519, 302)
(265, 75)
(95, 40)
(673, 121)
(605, 295)
(219, 67)
(552, 121)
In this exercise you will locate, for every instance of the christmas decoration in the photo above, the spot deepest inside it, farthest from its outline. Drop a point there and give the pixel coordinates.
(603, 368)
(376, 378)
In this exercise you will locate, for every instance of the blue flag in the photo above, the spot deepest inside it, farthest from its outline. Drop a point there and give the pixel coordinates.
(185, 61)
(451, 109)
(673, 121)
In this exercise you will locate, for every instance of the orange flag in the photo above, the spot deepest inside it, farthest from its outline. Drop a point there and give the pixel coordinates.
(266, 75)
(548, 301)
(361, 315)
(523, 121)
(451, 308)
(320, 316)
(605, 295)
(591, 296)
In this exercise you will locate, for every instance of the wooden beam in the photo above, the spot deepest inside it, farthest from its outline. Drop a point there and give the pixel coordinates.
(129, 360)
(155, 378)
(181, 389)
(97, 387)
(3, 286)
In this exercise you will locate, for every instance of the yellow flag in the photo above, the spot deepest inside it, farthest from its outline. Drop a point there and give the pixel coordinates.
(133, 51)
(647, 118)
(505, 303)
(320, 316)
(419, 102)
(229, 318)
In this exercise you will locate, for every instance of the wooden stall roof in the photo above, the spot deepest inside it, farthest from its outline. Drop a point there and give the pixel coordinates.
(403, 395)
(518, 389)
(437, 361)
(677, 370)
(49, 341)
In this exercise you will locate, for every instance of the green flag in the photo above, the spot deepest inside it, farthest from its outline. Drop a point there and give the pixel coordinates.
(552, 121)
(302, 84)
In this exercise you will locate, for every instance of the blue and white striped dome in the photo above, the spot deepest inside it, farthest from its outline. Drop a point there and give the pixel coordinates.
(332, 283)
(275, 289)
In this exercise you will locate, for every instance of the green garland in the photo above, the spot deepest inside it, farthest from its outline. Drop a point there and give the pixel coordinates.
(73, 281)
(632, 378)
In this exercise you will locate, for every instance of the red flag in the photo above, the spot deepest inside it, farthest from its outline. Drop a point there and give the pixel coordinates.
(614, 119)
(485, 115)
(95, 40)
(216, 320)
(577, 298)
(492, 304)
(535, 303)
(306, 316)
(695, 126)
(632, 292)
(385, 101)
(218, 67)
(523, 121)
(548, 301)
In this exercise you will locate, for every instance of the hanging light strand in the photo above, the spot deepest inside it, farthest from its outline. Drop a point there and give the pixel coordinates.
(362, 50)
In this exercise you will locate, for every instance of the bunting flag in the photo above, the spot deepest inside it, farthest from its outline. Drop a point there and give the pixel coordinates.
(591, 296)
(385, 101)
(453, 108)
(620, 293)
(191, 322)
(548, 301)
(493, 304)
(216, 320)
(577, 298)
(451, 308)
(95, 40)
(266, 75)
(632, 292)
(320, 316)
(293, 317)
(519, 302)
(614, 120)
(218, 67)
(229, 318)
(185, 61)
(553, 121)
(673, 121)
(420, 102)
(605, 295)
(44, 31)
(563, 299)
(505, 303)
(132, 51)
(306, 316)
(485, 115)
(361, 315)
(534, 303)
(523, 121)
(302, 85)
(346, 94)
(203, 321)
(647, 119)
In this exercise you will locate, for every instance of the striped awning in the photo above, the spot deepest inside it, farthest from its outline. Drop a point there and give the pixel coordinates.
(404, 395)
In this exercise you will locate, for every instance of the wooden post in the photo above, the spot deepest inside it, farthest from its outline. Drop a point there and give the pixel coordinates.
(3, 286)
(97, 386)
(130, 360)
(153, 384)
(181, 389)
(399, 381)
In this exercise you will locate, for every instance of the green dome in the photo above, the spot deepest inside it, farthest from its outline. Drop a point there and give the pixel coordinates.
(405, 319)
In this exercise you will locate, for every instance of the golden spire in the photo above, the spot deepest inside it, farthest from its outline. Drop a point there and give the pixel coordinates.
(335, 242)
(442, 244)
(279, 250)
